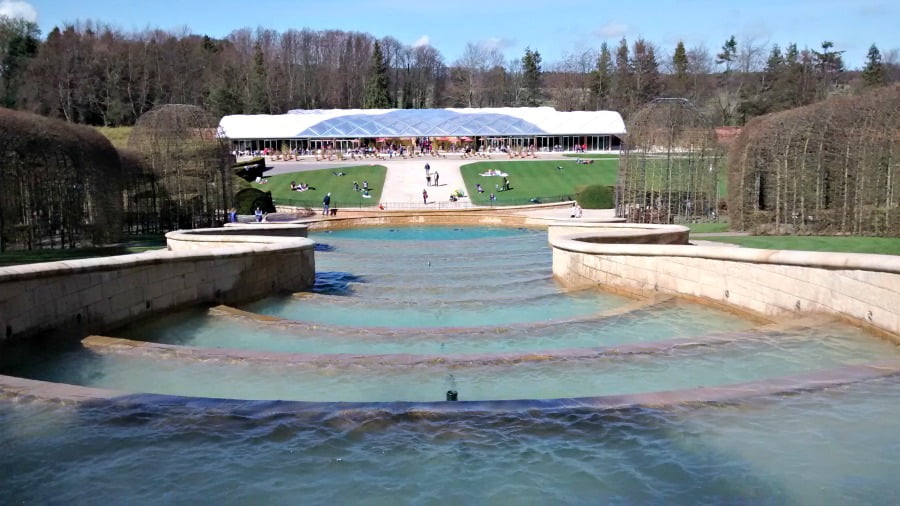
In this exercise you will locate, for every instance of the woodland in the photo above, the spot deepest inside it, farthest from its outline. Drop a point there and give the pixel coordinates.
(96, 74)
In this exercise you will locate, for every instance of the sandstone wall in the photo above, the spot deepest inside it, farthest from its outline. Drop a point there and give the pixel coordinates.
(860, 287)
(90, 295)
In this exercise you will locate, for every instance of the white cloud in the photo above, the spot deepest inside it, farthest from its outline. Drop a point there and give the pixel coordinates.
(422, 41)
(18, 9)
(613, 30)
(498, 43)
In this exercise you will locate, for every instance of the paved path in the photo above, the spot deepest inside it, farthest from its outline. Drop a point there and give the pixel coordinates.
(405, 178)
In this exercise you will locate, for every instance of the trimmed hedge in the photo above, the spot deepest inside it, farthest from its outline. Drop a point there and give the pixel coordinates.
(595, 196)
(247, 200)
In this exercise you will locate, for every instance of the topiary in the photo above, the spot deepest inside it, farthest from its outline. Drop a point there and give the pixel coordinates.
(595, 196)
(247, 200)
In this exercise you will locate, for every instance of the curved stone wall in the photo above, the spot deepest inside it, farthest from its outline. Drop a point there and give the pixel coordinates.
(205, 265)
(862, 288)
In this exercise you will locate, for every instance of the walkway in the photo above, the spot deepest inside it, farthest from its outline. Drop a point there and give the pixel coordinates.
(405, 178)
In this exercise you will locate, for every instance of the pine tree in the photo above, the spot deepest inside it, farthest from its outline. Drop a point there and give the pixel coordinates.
(728, 54)
(873, 73)
(623, 79)
(680, 66)
(377, 89)
(531, 77)
(259, 96)
(601, 81)
(646, 71)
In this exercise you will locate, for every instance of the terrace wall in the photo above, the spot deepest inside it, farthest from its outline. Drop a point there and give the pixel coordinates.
(862, 288)
(200, 266)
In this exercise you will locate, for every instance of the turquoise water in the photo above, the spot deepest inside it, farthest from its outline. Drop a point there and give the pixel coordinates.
(837, 446)
(688, 367)
(444, 292)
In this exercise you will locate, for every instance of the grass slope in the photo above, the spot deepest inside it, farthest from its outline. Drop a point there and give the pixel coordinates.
(880, 245)
(324, 181)
(55, 255)
(536, 179)
(118, 136)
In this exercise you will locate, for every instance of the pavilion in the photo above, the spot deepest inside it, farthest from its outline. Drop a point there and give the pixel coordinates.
(539, 128)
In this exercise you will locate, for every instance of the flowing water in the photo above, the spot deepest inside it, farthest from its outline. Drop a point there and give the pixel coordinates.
(405, 314)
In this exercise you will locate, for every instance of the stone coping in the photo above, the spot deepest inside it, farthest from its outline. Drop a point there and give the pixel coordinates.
(251, 244)
(585, 243)
(25, 390)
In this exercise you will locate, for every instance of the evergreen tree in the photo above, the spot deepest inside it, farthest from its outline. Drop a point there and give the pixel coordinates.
(623, 80)
(645, 70)
(377, 89)
(680, 65)
(873, 73)
(259, 97)
(18, 45)
(531, 77)
(728, 54)
(225, 96)
(601, 81)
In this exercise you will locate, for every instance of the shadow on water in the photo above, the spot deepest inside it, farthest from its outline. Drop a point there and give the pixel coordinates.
(336, 283)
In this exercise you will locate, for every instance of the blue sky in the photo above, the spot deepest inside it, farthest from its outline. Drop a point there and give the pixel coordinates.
(555, 28)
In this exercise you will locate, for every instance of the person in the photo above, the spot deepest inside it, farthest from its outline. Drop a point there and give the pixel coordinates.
(425, 196)
(427, 169)
(355, 186)
(259, 215)
(572, 211)
(493, 198)
(366, 185)
(326, 202)
(436, 176)
(506, 184)
(232, 215)
(577, 210)
(427, 179)
(293, 185)
(479, 188)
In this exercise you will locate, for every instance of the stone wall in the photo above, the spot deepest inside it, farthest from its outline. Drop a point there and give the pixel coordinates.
(91, 295)
(862, 288)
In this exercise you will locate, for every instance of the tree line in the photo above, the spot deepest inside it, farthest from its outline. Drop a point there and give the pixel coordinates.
(95, 74)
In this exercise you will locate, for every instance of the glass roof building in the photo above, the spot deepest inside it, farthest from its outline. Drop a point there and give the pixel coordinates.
(538, 127)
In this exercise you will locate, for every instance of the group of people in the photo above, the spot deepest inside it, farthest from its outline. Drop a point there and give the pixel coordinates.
(429, 177)
(299, 187)
(576, 210)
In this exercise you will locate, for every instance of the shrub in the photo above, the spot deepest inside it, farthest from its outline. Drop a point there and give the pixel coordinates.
(595, 196)
(247, 200)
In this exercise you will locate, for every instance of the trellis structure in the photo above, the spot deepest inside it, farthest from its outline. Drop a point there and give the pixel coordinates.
(184, 149)
(60, 184)
(669, 165)
(827, 168)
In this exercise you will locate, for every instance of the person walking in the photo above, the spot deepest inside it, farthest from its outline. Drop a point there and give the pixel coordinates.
(427, 169)
(425, 196)
(436, 176)
(326, 202)
(259, 215)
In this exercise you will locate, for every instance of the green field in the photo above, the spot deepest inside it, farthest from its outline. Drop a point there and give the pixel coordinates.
(118, 136)
(707, 228)
(325, 181)
(595, 156)
(55, 255)
(539, 179)
(880, 245)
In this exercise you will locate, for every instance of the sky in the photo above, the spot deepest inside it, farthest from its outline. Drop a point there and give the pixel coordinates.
(555, 28)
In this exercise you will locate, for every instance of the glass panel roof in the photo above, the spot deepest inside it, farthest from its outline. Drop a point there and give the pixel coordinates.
(421, 123)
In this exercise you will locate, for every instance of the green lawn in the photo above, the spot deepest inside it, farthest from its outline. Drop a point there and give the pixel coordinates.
(55, 255)
(118, 136)
(707, 228)
(325, 181)
(602, 156)
(539, 179)
(881, 245)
